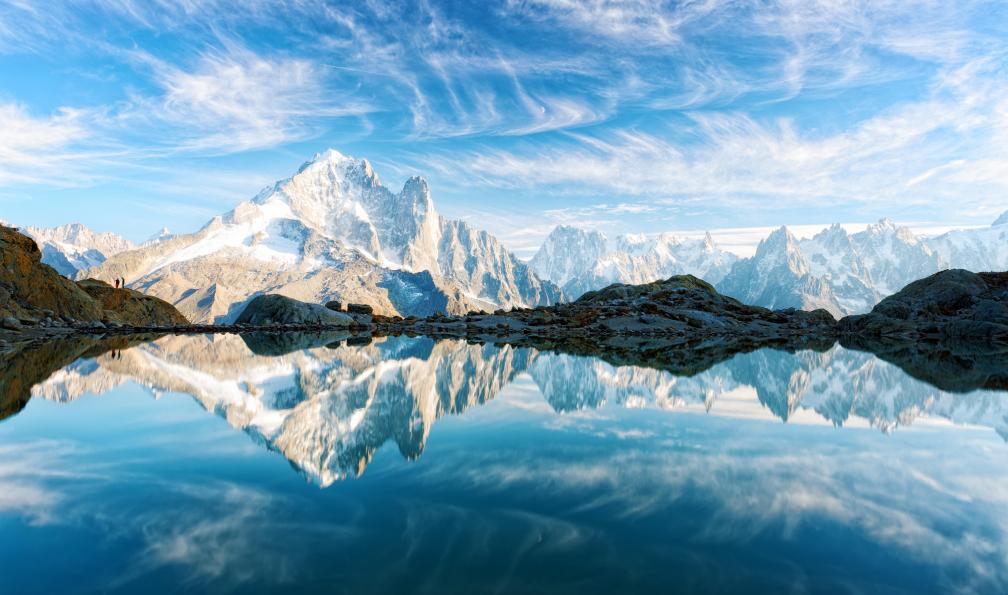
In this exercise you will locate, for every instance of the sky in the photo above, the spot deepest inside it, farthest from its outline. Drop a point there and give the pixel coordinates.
(620, 115)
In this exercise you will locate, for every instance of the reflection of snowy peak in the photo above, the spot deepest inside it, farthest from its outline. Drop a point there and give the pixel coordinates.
(328, 408)
(71, 248)
(579, 260)
(333, 231)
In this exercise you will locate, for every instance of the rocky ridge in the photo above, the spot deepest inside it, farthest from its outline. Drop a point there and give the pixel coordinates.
(33, 294)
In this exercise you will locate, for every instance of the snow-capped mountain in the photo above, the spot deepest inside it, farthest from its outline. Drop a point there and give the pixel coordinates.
(780, 276)
(73, 247)
(333, 231)
(981, 249)
(580, 260)
(161, 236)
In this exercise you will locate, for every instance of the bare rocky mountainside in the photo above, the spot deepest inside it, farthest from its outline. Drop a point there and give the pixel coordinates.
(33, 293)
(332, 231)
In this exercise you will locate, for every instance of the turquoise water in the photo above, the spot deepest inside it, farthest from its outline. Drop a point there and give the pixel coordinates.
(409, 465)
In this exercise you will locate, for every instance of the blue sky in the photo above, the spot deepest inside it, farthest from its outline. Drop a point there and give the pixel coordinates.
(622, 115)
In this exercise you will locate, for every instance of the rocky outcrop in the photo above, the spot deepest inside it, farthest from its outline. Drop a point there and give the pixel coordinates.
(683, 306)
(950, 305)
(127, 306)
(265, 310)
(33, 293)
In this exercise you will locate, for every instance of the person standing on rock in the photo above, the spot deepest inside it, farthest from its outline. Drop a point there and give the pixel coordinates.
(117, 283)
(124, 282)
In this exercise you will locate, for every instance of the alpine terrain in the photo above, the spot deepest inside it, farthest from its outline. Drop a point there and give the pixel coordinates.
(844, 273)
(332, 231)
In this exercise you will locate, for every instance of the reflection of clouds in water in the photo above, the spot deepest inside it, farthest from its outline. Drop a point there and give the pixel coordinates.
(752, 487)
(211, 534)
(27, 474)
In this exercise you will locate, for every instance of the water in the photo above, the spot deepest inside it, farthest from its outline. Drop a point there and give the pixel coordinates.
(297, 464)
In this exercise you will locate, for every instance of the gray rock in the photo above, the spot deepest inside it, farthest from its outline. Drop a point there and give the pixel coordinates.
(279, 309)
(334, 305)
(360, 309)
(97, 324)
(11, 323)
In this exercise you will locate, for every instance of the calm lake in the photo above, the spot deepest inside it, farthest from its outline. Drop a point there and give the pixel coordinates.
(262, 463)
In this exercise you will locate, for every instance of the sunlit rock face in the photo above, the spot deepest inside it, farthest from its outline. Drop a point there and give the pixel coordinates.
(333, 231)
(327, 403)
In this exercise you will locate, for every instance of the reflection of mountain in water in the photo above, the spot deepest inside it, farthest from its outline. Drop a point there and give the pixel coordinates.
(327, 403)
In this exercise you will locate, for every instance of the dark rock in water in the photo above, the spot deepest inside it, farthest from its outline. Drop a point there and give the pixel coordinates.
(334, 305)
(952, 304)
(360, 309)
(279, 309)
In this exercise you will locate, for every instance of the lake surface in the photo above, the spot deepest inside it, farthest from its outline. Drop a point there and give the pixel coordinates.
(256, 464)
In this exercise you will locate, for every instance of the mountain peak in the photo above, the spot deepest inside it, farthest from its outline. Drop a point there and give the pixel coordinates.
(1002, 220)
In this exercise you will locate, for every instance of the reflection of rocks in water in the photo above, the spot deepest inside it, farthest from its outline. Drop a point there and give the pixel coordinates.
(281, 343)
(33, 363)
(950, 366)
(327, 406)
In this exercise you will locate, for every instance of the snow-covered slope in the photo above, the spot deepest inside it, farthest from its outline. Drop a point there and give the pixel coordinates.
(73, 247)
(333, 231)
(978, 250)
(580, 260)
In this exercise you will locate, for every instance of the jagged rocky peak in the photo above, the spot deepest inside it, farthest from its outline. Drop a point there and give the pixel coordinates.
(333, 231)
(567, 252)
(1002, 220)
(781, 248)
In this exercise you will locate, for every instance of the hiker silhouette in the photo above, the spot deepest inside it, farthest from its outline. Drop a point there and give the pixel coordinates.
(117, 283)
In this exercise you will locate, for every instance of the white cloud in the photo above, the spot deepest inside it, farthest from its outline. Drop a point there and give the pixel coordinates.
(36, 149)
(238, 100)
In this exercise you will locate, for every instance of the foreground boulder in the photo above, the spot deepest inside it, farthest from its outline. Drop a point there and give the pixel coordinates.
(272, 309)
(34, 293)
(952, 304)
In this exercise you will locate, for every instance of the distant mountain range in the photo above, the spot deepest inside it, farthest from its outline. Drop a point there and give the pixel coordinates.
(333, 231)
(845, 273)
